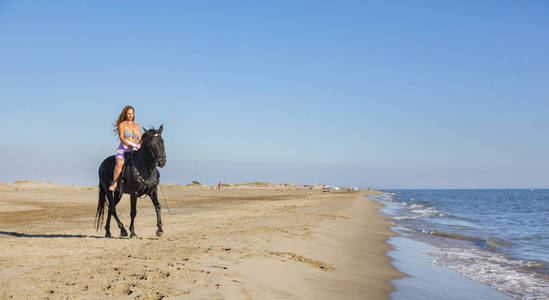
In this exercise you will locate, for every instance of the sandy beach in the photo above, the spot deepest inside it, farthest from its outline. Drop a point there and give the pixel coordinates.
(243, 242)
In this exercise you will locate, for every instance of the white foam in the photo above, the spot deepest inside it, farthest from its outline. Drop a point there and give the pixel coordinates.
(494, 270)
(427, 212)
(416, 206)
(407, 217)
(384, 197)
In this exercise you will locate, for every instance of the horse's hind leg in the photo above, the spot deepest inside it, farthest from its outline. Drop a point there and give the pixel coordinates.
(108, 224)
(133, 212)
(117, 197)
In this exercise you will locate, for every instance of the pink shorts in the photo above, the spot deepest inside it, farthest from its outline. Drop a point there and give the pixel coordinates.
(119, 153)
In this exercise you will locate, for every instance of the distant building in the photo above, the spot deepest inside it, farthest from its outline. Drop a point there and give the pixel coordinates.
(318, 187)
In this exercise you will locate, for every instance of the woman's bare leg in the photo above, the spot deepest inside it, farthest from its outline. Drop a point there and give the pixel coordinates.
(117, 170)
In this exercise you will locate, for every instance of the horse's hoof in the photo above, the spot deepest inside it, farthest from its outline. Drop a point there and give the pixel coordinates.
(108, 235)
(159, 233)
(133, 235)
(123, 233)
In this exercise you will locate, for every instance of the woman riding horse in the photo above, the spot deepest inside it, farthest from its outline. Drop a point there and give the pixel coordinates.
(129, 133)
(139, 176)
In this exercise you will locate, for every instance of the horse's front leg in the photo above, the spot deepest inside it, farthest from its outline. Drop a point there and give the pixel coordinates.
(133, 212)
(154, 198)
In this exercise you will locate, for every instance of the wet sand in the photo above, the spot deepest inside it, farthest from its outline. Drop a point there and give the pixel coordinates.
(239, 243)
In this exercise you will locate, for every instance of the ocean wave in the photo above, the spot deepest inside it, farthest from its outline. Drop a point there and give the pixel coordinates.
(490, 243)
(512, 277)
(407, 217)
(449, 216)
(451, 235)
(417, 206)
(427, 212)
(384, 197)
(412, 205)
(494, 242)
(529, 238)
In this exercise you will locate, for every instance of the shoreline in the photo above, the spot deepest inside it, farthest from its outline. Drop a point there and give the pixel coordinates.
(361, 266)
(429, 281)
(233, 244)
(424, 278)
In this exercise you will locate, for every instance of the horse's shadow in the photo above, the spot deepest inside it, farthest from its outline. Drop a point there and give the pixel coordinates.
(25, 235)
(65, 236)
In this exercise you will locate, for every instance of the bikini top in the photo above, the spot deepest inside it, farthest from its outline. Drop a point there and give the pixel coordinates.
(128, 134)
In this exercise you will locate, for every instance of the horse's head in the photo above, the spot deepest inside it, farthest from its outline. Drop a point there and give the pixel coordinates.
(153, 143)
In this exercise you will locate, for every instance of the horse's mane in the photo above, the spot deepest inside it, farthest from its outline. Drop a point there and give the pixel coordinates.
(148, 133)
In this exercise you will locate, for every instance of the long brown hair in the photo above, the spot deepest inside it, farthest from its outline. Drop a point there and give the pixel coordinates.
(122, 117)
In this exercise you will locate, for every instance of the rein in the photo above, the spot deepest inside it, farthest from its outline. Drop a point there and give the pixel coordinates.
(165, 201)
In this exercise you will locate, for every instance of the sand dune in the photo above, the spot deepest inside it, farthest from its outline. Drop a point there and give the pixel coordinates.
(29, 185)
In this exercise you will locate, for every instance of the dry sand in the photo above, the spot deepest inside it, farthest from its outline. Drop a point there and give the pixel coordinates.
(241, 243)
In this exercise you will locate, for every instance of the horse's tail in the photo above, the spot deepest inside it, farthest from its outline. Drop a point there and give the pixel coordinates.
(100, 208)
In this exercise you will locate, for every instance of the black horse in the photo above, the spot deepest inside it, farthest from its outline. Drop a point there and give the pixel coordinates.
(139, 177)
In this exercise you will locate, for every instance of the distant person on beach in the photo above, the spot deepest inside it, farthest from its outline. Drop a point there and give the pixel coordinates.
(129, 133)
(219, 185)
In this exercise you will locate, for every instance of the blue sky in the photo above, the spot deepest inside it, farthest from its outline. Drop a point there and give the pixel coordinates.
(406, 94)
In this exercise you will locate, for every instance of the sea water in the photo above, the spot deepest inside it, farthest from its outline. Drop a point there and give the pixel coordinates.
(499, 238)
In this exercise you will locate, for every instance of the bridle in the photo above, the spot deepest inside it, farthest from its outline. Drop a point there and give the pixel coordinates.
(155, 159)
